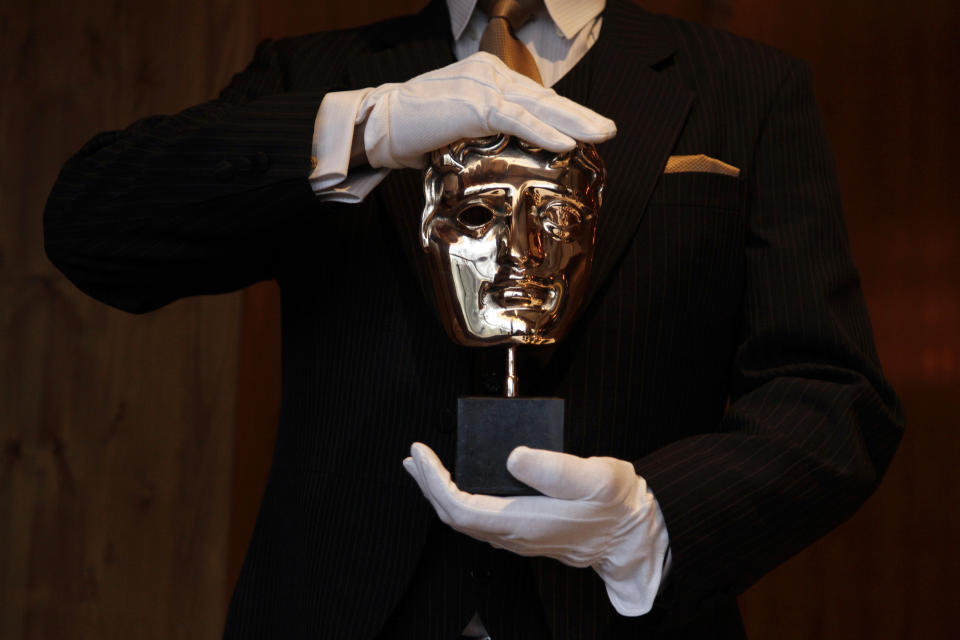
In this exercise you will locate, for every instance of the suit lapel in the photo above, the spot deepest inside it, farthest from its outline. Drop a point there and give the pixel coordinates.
(649, 108)
(620, 77)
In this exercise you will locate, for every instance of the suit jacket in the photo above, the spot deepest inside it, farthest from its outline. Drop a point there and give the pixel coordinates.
(724, 345)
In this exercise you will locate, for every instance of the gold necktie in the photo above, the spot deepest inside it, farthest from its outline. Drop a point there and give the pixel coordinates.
(506, 16)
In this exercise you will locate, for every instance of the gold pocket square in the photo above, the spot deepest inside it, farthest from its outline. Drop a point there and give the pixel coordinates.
(700, 164)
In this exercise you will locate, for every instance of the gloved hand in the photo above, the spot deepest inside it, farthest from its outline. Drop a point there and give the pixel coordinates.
(596, 512)
(475, 97)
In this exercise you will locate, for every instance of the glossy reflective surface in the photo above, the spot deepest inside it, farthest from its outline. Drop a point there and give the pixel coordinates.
(509, 230)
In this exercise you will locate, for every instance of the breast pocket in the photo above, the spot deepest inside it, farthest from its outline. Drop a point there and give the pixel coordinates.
(696, 227)
(700, 190)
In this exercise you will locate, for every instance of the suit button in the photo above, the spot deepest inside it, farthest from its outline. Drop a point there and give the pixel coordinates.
(261, 161)
(244, 164)
(480, 574)
(492, 383)
(225, 171)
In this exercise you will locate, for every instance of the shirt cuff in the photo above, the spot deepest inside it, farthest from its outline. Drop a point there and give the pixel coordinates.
(331, 178)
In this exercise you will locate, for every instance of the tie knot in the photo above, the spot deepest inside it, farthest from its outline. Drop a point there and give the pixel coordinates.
(515, 12)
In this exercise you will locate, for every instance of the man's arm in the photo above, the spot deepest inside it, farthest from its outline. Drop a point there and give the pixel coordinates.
(203, 201)
(812, 424)
(197, 202)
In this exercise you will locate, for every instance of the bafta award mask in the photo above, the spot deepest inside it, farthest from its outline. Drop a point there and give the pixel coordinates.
(509, 230)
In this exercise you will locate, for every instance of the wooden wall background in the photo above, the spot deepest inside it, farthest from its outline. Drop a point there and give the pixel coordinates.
(133, 448)
(116, 431)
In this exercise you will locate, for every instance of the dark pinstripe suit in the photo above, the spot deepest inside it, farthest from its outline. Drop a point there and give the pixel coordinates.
(706, 288)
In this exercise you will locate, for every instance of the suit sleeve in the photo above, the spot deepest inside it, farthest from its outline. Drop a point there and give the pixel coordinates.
(193, 203)
(812, 424)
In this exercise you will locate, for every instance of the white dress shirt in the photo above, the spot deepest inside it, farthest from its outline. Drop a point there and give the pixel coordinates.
(558, 36)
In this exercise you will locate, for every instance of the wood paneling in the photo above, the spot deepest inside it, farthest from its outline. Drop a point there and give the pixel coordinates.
(115, 430)
(258, 410)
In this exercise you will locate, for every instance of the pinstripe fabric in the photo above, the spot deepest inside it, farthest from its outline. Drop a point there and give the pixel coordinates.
(707, 288)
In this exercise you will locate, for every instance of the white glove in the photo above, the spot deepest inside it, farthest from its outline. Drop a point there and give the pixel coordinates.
(596, 512)
(403, 122)
(477, 96)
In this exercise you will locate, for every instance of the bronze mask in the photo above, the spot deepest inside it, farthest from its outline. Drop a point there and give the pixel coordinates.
(509, 230)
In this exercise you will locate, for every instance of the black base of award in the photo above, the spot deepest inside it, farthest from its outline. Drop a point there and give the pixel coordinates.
(489, 428)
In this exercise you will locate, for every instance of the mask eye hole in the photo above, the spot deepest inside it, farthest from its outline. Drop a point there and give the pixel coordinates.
(475, 216)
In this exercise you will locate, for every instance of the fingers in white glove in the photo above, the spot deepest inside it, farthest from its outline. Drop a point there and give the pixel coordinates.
(504, 523)
(462, 511)
(540, 100)
(597, 513)
(568, 477)
(511, 118)
(528, 525)
(565, 115)
(475, 97)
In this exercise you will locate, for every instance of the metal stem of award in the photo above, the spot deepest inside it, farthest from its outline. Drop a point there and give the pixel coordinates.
(508, 231)
(488, 429)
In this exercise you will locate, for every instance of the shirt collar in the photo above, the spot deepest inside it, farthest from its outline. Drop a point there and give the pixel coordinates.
(569, 15)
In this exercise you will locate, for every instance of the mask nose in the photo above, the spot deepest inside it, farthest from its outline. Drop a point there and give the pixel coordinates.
(523, 243)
